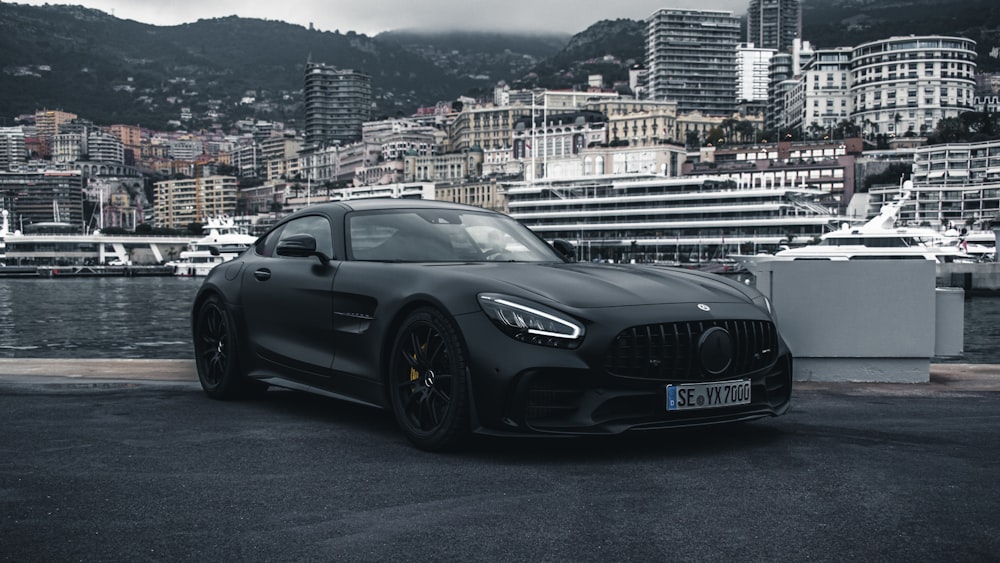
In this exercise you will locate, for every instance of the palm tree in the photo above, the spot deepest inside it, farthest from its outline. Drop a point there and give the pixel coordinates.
(729, 126)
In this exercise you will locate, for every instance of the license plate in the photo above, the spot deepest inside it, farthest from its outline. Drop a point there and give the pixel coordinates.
(708, 395)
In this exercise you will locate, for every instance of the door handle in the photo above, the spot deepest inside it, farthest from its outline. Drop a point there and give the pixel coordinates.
(262, 274)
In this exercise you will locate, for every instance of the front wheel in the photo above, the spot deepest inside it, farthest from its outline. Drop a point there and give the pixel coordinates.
(428, 388)
(216, 348)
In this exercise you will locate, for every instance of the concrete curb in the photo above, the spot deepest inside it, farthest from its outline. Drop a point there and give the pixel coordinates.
(943, 377)
(139, 369)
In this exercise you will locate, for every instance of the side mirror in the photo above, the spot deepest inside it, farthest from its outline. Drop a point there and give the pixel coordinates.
(565, 248)
(301, 246)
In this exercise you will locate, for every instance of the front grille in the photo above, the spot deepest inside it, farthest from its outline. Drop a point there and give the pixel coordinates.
(549, 396)
(669, 351)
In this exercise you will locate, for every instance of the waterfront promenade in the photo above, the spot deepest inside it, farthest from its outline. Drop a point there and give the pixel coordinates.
(943, 377)
(127, 460)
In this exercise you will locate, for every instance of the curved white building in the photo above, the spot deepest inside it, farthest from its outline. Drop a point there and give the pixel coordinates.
(907, 84)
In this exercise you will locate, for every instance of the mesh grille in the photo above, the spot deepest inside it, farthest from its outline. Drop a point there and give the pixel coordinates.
(669, 351)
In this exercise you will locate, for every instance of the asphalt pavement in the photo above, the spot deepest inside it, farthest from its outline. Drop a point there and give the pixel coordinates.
(131, 462)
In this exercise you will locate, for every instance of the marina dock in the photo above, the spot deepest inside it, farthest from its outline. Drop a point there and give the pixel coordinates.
(84, 271)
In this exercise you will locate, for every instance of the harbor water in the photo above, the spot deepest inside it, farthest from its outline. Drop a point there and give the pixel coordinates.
(105, 317)
(119, 317)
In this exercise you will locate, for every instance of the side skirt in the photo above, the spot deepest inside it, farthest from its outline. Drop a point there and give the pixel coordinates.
(298, 386)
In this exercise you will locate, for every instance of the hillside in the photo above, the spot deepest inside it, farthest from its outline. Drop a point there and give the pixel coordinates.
(118, 71)
(852, 22)
(609, 48)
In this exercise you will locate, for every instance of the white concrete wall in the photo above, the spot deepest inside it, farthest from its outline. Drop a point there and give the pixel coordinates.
(855, 321)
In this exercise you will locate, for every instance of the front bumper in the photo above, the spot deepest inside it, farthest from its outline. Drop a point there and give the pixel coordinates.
(523, 388)
(555, 402)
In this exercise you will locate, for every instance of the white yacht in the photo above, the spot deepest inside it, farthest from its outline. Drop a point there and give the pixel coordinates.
(225, 241)
(878, 239)
(980, 245)
(4, 227)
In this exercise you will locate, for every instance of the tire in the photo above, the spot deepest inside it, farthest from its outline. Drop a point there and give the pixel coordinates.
(216, 354)
(428, 383)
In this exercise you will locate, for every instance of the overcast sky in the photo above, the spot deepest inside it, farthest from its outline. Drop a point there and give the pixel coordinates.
(373, 16)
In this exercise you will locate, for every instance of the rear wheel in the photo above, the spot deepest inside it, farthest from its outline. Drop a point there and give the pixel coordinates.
(216, 348)
(428, 388)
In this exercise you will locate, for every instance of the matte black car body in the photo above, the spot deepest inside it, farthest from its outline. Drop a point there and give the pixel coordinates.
(329, 324)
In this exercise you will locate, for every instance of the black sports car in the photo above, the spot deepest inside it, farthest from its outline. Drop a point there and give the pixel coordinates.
(461, 320)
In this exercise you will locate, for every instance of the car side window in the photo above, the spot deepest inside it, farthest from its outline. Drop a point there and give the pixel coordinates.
(315, 225)
(265, 244)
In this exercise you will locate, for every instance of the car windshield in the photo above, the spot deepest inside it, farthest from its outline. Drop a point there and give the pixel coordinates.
(442, 235)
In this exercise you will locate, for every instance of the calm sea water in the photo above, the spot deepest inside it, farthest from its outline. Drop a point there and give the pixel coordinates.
(148, 318)
(96, 317)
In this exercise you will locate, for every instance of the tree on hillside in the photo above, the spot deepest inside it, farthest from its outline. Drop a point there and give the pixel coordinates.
(969, 127)
(746, 131)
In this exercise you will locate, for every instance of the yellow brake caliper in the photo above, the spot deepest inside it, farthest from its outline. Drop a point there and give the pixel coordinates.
(414, 374)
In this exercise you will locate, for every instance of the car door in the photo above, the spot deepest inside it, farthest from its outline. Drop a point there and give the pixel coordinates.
(288, 301)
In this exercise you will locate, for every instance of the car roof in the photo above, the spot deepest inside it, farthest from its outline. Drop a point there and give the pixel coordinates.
(391, 203)
(374, 204)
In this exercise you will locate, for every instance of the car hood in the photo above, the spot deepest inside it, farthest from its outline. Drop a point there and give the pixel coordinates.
(586, 285)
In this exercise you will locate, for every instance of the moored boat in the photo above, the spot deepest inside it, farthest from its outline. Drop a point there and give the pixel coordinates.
(878, 239)
(225, 241)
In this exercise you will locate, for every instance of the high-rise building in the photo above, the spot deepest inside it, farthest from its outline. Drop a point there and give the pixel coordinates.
(337, 103)
(752, 73)
(50, 122)
(774, 24)
(691, 57)
(785, 94)
(781, 78)
(43, 197)
(13, 151)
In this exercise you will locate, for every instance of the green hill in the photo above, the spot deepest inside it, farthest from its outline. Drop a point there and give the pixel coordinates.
(117, 71)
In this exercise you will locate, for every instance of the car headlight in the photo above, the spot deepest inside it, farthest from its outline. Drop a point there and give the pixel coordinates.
(530, 322)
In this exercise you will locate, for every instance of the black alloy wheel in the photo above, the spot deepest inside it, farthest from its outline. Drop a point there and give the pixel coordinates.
(428, 384)
(216, 353)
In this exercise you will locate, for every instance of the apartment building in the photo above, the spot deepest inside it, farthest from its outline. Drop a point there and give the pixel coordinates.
(400, 136)
(781, 80)
(774, 24)
(752, 72)
(280, 155)
(105, 147)
(556, 135)
(194, 200)
(490, 129)
(42, 197)
(486, 194)
(129, 135)
(49, 122)
(957, 183)
(824, 168)
(337, 103)
(452, 167)
(824, 91)
(639, 122)
(906, 85)
(13, 150)
(691, 59)
(663, 160)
